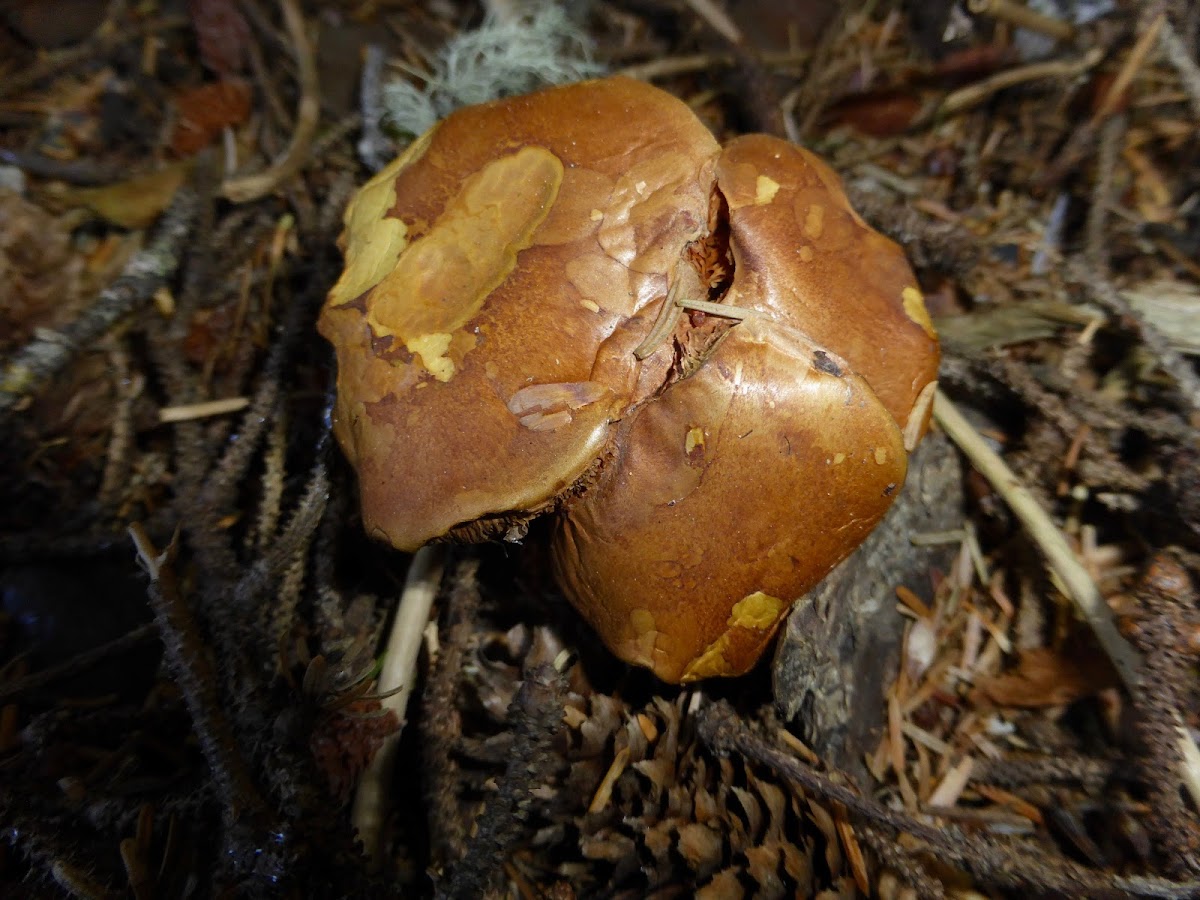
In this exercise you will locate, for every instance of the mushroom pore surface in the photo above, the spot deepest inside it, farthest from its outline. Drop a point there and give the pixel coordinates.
(525, 325)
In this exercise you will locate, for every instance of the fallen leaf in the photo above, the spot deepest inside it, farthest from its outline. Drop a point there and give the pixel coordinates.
(1048, 677)
(1173, 307)
(134, 203)
(204, 112)
(882, 113)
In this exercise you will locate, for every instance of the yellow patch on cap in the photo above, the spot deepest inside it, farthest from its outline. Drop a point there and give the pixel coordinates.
(757, 610)
(914, 308)
(814, 221)
(442, 280)
(709, 664)
(765, 189)
(645, 631)
(642, 620)
(432, 350)
(373, 241)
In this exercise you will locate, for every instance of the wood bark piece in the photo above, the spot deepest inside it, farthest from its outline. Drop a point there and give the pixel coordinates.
(839, 652)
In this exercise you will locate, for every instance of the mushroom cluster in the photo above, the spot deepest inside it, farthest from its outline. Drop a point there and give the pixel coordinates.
(699, 360)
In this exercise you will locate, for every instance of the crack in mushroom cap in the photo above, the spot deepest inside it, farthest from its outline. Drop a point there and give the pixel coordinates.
(738, 489)
(517, 247)
(731, 494)
(803, 256)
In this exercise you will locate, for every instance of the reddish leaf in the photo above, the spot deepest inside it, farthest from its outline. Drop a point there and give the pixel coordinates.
(1046, 677)
(343, 744)
(877, 113)
(204, 112)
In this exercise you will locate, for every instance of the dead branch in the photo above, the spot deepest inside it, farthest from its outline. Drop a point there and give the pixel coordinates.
(52, 351)
(1009, 864)
(441, 721)
(535, 716)
(190, 665)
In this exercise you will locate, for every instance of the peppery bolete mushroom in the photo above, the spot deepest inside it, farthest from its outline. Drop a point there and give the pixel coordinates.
(699, 360)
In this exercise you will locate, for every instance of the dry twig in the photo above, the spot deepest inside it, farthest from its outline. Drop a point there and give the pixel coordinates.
(1015, 865)
(52, 351)
(980, 92)
(189, 663)
(241, 189)
(534, 717)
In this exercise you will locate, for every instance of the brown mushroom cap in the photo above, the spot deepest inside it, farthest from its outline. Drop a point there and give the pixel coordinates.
(741, 487)
(731, 495)
(496, 278)
(508, 340)
(806, 258)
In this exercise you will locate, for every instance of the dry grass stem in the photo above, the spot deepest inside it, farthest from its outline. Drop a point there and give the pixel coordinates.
(1022, 16)
(1063, 562)
(969, 97)
(206, 409)
(372, 798)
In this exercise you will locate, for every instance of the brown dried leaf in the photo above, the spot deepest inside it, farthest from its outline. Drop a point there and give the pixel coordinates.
(135, 203)
(971, 63)
(1047, 677)
(878, 113)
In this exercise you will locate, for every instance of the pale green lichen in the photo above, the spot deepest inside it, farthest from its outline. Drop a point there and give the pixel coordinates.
(540, 45)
